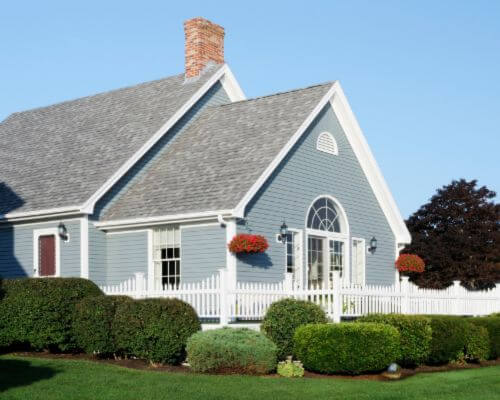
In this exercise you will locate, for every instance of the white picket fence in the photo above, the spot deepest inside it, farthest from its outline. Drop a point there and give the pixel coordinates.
(215, 298)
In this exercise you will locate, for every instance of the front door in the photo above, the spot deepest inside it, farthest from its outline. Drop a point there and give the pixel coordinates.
(47, 255)
(324, 256)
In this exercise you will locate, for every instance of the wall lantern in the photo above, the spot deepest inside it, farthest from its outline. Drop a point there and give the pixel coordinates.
(283, 233)
(373, 245)
(63, 232)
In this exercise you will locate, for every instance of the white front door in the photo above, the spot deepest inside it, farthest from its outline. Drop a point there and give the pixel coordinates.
(324, 256)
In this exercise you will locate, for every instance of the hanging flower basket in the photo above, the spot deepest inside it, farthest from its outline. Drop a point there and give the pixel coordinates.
(246, 243)
(410, 263)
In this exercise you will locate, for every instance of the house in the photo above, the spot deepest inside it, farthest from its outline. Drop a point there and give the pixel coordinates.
(159, 177)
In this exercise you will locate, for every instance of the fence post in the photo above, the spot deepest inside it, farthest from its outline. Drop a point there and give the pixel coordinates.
(337, 297)
(224, 297)
(140, 285)
(404, 289)
(456, 294)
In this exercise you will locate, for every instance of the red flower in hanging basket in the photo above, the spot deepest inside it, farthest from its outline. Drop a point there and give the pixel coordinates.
(246, 243)
(410, 263)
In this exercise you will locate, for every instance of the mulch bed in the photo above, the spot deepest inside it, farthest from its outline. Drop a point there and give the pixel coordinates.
(144, 365)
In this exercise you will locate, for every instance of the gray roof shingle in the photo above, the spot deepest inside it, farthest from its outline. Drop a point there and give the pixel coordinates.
(58, 156)
(219, 157)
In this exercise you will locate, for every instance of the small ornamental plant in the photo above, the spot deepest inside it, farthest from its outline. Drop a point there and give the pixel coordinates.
(290, 369)
(246, 243)
(410, 263)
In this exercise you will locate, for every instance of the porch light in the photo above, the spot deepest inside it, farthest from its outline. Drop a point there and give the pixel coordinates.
(373, 245)
(63, 232)
(283, 232)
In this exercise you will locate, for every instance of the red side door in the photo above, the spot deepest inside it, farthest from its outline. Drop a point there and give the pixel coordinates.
(47, 255)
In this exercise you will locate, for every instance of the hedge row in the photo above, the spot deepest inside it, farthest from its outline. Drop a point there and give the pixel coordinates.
(492, 325)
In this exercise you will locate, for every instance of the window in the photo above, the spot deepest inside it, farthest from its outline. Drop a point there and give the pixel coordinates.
(315, 260)
(336, 248)
(327, 144)
(358, 261)
(290, 252)
(167, 256)
(323, 216)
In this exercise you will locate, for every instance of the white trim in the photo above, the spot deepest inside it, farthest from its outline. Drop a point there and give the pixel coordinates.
(363, 244)
(338, 101)
(50, 221)
(166, 219)
(230, 257)
(191, 226)
(231, 86)
(151, 264)
(127, 231)
(46, 232)
(329, 137)
(88, 207)
(84, 247)
(34, 215)
(344, 221)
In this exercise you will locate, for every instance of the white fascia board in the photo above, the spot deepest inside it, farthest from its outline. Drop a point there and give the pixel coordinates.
(167, 219)
(40, 214)
(88, 207)
(337, 99)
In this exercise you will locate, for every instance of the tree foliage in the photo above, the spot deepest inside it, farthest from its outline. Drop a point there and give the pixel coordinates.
(456, 233)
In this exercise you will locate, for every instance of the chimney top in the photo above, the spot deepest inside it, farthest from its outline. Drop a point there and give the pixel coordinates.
(204, 44)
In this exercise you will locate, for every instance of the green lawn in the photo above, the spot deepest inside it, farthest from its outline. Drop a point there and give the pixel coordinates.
(32, 378)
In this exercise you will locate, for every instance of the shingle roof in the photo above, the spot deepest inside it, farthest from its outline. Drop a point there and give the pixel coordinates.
(58, 156)
(219, 157)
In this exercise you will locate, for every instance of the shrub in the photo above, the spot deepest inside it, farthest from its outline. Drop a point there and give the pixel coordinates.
(290, 369)
(448, 338)
(238, 350)
(154, 329)
(415, 335)
(39, 312)
(477, 343)
(284, 317)
(492, 324)
(93, 322)
(350, 348)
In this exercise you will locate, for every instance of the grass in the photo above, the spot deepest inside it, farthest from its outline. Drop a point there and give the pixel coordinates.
(32, 378)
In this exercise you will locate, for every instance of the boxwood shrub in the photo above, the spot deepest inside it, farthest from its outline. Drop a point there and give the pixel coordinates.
(93, 322)
(154, 329)
(415, 335)
(477, 343)
(350, 348)
(284, 317)
(231, 350)
(448, 342)
(38, 312)
(492, 324)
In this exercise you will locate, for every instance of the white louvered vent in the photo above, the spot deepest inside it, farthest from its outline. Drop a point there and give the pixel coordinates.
(327, 143)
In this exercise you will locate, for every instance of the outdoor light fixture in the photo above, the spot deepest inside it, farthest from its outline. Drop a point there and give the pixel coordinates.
(283, 232)
(63, 232)
(373, 245)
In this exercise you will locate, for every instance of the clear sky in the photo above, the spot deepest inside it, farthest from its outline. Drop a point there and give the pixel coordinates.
(421, 76)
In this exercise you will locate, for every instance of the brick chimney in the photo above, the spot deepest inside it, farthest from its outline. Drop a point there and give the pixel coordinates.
(204, 44)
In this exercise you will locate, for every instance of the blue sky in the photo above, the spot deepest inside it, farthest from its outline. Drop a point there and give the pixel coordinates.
(421, 76)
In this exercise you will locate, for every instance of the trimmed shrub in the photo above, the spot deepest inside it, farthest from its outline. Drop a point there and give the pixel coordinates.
(39, 312)
(237, 350)
(93, 321)
(415, 335)
(350, 348)
(154, 329)
(448, 342)
(492, 324)
(284, 317)
(477, 343)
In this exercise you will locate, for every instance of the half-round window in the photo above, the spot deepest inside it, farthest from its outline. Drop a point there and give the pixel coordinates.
(324, 216)
(326, 143)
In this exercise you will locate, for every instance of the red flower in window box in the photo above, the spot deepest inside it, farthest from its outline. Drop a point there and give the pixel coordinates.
(246, 243)
(410, 263)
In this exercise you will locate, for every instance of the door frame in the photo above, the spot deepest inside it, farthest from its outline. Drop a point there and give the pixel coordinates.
(36, 235)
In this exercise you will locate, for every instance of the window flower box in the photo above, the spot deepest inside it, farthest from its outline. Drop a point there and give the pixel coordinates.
(248, 244)
(410, 263)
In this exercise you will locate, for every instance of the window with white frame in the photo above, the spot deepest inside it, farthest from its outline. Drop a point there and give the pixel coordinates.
(358, 261)
(167, 255)
(327, 144)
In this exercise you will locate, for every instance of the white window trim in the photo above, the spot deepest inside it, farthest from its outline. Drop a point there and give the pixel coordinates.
(299, 258)
(151, 258)
(36, 235)
(363, 241)
(334, 151)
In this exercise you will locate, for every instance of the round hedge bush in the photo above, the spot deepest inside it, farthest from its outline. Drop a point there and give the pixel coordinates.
(492, 324)
(38, 312)
(284, 317)
(349, 348)
(233, 350)
(93, 322)
(154, 329)
(415, 334)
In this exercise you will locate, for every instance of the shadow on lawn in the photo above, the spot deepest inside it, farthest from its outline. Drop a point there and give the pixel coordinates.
(15, 373)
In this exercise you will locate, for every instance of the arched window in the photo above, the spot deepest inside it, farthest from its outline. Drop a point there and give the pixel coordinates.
(326, 143)
(324, 216)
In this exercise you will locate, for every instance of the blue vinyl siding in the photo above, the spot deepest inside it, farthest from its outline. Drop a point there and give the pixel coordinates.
(16, 249)
(303, 175)
(126, 253)
(203, 251)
